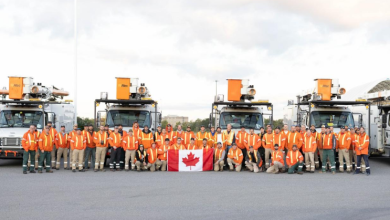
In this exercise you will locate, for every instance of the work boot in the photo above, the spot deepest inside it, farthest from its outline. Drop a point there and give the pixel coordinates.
(95, 170)
(39, 171)
(112, 170)
(117, 169)
(82, 170)
(57, 168)
(367, 174)
(363, 172)
(311, 171)
(103, 170)
(127, 170)
(348, 171)
(300, 173)
(24, 172)
(32, 171)
(138, 170)
(49, 171)
(36, 168)
(333, 172)
(74, 170)
(53, 168)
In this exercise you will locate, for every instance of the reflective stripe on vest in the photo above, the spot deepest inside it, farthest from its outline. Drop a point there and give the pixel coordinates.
(249, 155)
(309, 141)
(291, 157)
(280, 139)
(219, 153)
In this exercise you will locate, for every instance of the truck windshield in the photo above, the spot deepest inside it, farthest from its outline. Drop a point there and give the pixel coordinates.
(336, 119)
(18, 118)
(127, 118)
(237, 119)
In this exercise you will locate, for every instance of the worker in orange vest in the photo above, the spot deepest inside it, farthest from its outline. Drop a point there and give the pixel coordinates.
(315, 134)
(230, 136)
(362, 151)
(137, 131)
(130, 146)
(355, 143)
(78, 145)
(294, 160)
(319, 142)
(157, 136)
(220, 137)
(293, 137)
(204, 144)
(328, 145)
(187, 136)
(71, 134)
(267, 143)
(152, 155)
(141, 158)
(53, 134)
(164, 135)
(123, 133)
(192, 145)
(344, 142)
(241, 137)
(116, 143)
(46, 142)
(235, 157)
(90, 150)
(62, 144)
(178, 145)
(146, 137)
(302, 130)
(211, 137)
(202, 134)
(219, 157)
(171, 134)
(162, 155)
(37, 134)
(179, 132)
(253, 160)
(101, 139)
(277, 161)
(309, 146)
(30, 146)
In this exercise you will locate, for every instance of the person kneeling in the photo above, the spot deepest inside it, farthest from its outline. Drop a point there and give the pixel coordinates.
(253, 160)
(294, 160)
(235, 157)
(219, 157)
(152, 157)
(277, 161)
(141, 158)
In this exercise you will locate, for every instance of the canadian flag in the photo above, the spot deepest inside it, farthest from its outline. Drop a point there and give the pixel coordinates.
(190, 160)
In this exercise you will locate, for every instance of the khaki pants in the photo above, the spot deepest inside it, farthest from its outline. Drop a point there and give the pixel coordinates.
(320, 151)
(140, 165)
(316, 161)
(252, 166)
(268, 153)
(309, 161)
(231, 162)
(129, 156)
(60, 152)
(351, 158)
(219, 166)
(344, 154)
(362, 164)
(100, 157)
(275, 168)
(162, 164)
(53, 156)
(77, 155)
(151, 166)
(36, 159)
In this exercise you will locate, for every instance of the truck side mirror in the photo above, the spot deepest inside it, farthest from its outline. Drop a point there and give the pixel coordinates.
(160, 118)
(384, 120)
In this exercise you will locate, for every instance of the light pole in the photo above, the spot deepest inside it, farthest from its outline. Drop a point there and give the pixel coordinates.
(75, 60)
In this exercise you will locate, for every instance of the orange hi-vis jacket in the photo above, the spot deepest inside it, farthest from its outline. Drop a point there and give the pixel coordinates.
(223, 137)
(115, 140)
(124, 133)
(293, 157)
(218, 154)
(78, 142)
(62, 141)
(193, 147)
(327, 141)
(46, 142)
(162, 139)
(267, 141)
(199, 138)
(354, 138)
(210, 139)
(90, 140)
(99, 136)
(240, 139)
(229, 137)
(130, 143)
(363, 141)
(53, 133)
(180, 134)
(277, 156)
(320, 136)
(252, 140)
(187, 137)
(30, 141)
(236, 155)
(172, 137)
(162, 155)
(136, 131)
(294, 139)
(178, 147)
(278, 139)
(152, 155)
(204, 147)
(344, 141)
(309, 144)
(147, 140)
(303, 134)
(71, 134)
(157, 138)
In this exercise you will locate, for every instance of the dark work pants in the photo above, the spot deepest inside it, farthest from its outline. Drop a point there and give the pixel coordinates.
(122, 158)
(25, 160)
(89, 151)
(115, 158)
(244, 155)
(359, 160)
(262, 154)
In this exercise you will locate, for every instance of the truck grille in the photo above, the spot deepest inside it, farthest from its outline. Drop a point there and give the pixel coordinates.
(10, 141)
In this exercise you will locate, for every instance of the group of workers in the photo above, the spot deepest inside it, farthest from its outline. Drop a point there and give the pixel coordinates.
(140, 149)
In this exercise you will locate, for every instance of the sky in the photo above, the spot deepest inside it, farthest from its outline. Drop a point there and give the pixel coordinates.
(180, 48)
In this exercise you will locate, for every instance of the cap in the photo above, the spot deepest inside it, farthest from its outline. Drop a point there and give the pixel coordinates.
(62, 126)
(250, 146)
(192, 139)
(294, 146)
(322, 126)
(49, 122)
(141, 145)
(166, 139)
(326, 126)
(242, 126)
(234, 144)
(342, 127)
(276, 145)
(78, 129)
(159, 126)
(277, 128)
(169, 125)
(120, 125)
(90, 125)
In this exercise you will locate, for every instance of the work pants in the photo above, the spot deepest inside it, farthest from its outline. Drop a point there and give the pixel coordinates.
(231, 163)
(53, 156)
(316, 161)
(344, 154)
(36, 160)
(359, 159)
(100, 157)
(44, 157)
(275, 167)
(62, 152)
(328, 154)
(151, 166)
(218, 166)
(78, 155)
(363, 164)
(267, 155)
(294, 167)
(140, 165)
(122, 158)
(89, 152)
(309, 161)
(115, 158)
(26, 155)
(252, 166)
(162, 164)
(130, 156)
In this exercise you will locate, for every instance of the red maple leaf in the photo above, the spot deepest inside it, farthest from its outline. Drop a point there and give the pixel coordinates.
(190, 160)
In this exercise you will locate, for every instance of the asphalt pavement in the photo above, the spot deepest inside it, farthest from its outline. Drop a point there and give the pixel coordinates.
(203, 195)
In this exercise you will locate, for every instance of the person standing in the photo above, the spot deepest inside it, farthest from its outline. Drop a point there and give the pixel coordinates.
(202, 134)
(71, 134)
(123, 134)
(141, 158)
(294, 160)
(235, 158)
(62, 145)
(90, 150)
(320, 136)
(241, 138)
(220, 137)
(362, 151)
(277, 161)
(157, 136)
(230, 137)
(171, 134)
(344, 142)
(267, 144)
(180, 133)
(116, 144)
(101, 139)
(309, 147)
(328, 146)
(294, 138)
(78, 145)
(219, 157)
(253, 160)
(187, 136)
(211, 137)
(46, 142)
(30, 146)
(146, 138)
(53, 133)
(152, 154)
(130, 146)
(37, 135)
(162, 155)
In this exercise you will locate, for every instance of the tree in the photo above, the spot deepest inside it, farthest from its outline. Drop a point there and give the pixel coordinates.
(81, 122)
(276, 123)
(164, 124)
